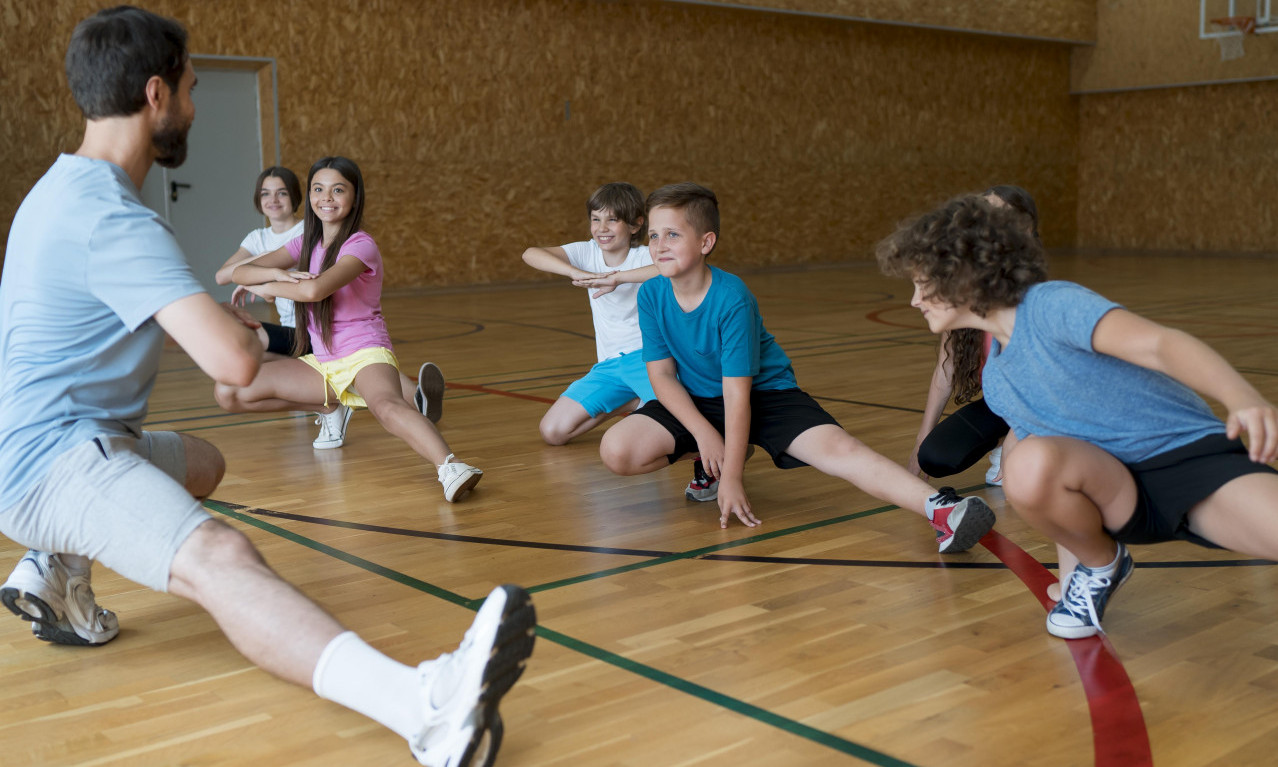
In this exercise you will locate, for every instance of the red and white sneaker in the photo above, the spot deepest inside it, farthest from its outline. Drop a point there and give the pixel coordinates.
(960, 522)
(702, 488)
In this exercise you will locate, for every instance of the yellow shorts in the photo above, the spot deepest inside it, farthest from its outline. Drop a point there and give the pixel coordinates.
(339, 375)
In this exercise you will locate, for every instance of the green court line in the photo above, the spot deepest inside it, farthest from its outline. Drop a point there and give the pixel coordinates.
(706, 694)
(694, 553)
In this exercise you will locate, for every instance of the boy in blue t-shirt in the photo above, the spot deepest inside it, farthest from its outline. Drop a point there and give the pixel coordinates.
(723, 382)
(1110, 445)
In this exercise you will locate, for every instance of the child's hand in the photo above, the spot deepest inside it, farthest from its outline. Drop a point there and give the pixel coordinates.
(1260, 421)
(603, 282)
(284, 275)
(241, 296)
(245, 319)
(712, 454)
(732, 500)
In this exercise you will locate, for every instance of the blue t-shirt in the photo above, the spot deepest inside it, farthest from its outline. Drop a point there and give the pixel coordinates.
(87, 265)
(1050, 382)
(723, 336)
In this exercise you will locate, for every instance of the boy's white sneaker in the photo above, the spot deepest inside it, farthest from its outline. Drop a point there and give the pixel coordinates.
(460, 690)
(429, 396)
(58, 601)
(457, 478)
(332, 425)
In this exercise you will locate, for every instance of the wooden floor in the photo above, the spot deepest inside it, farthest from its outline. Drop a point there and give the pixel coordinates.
(832, 635)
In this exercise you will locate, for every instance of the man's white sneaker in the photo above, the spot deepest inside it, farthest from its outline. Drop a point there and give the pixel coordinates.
(58, 600)
(461, 690)
(332, 425)
(430, 392)
(457, 478)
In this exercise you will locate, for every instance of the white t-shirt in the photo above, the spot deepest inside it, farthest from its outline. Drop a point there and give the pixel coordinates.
(265, 240)
(616, 315)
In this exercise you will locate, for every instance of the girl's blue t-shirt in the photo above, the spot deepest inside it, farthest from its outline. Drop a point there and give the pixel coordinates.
(1049, 381)
(723, 336)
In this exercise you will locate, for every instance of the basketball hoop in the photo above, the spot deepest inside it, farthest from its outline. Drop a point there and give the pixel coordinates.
(1231, 46)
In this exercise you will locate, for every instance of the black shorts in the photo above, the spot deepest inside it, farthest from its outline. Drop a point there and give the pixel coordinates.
(280, 339)
(1169, 485)
(776, 418)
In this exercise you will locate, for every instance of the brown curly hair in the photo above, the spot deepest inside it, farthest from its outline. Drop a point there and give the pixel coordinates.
(967, 253)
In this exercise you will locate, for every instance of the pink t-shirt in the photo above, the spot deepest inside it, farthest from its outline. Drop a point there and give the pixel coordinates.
(357, 306)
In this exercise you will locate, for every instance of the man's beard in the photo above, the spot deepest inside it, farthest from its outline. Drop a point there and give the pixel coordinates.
(169, 141)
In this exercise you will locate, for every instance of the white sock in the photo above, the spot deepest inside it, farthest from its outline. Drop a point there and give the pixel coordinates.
(353, 674)
(1110, 568)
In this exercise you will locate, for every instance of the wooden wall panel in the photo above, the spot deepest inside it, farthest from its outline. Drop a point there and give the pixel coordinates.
(1180, 169)
(483, 126)
(1148, 44)
(1071, 20)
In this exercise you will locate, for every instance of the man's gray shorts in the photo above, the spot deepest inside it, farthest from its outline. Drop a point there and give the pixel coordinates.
(118, 500)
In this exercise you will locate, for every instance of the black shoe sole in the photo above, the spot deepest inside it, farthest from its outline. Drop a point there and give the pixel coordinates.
(45, 629)
(430, 392)
(978, 519)
(511, 650)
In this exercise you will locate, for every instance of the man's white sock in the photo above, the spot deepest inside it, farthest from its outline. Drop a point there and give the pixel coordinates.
(353, 674)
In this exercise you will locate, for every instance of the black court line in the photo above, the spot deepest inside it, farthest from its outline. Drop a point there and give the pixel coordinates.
(705, 694)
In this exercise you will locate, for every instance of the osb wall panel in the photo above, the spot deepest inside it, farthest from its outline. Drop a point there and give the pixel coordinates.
(483, 126)
(1071, 20)
(1180, 169)
(1145, 44)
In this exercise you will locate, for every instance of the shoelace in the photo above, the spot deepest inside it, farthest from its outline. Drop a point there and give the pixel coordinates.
(1079, 598)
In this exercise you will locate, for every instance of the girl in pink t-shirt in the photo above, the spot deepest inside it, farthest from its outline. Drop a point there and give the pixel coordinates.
(338, 290)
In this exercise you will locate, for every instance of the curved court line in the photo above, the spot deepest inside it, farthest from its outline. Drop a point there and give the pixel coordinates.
(877, 316)
(705, 694)
(1119, 737)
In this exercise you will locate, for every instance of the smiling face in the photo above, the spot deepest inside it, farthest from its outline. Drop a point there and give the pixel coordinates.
(332, 196)
(940, 316)
(275, 200)
(676, 246)
(610, 232)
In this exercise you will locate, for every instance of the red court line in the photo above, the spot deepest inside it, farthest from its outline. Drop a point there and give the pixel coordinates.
(1119, 737)
(877, 316)
(486, 390)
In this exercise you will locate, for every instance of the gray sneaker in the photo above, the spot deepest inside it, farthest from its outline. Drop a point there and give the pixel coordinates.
(332, 425)
(58, 601)
(429, 397)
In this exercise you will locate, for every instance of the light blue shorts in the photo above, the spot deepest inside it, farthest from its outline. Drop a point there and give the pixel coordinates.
(118, 500)
(611, 384)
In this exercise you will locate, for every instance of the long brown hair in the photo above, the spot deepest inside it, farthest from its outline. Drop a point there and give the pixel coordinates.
(312, 235)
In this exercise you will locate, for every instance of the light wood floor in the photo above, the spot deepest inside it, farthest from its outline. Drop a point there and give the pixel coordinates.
(829, 636)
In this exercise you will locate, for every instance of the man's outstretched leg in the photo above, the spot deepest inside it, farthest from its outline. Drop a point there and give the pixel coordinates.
(445, 708)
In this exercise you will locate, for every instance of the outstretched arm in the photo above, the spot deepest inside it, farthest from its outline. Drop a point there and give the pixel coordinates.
(219, 342)
(736, 426)
(268, 267)
(608, 281)
(938, 394)
(553, 260)
(314, 287)
(1133, 338)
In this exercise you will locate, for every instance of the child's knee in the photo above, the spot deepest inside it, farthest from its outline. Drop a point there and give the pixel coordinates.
(227, 397)
(553, 431)
(205, 466)
(618, 454)
(214, 548)
(1029, 473)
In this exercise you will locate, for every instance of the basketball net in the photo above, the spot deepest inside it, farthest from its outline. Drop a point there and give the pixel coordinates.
(1231, 46)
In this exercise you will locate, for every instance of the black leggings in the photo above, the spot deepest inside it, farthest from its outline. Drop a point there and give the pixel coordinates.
(959, 441)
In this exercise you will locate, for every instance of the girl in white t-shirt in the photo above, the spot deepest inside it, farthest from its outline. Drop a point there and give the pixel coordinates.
(276, 195)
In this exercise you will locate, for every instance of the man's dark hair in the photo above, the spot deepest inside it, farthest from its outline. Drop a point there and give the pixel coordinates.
(113, 54)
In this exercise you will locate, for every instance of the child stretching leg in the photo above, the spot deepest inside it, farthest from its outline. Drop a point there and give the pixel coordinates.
(340, 298)
(1115, 448)
(722, 381)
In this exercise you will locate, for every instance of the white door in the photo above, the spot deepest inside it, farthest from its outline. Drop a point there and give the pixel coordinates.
(209, 200)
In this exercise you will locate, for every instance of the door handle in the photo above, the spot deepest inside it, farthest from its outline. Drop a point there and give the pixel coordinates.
(173, 189)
